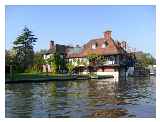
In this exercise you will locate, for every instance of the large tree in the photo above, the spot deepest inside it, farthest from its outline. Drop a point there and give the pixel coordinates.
(145, 59)
(38, 62)
(23, 47)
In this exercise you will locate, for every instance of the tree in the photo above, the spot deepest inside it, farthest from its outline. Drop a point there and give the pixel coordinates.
(38, 62)
(9, 57)
(95, 59)
(150, 59)
(70, 67)
(145, 59)
(9, 60)
(57, 62)
(23, 47)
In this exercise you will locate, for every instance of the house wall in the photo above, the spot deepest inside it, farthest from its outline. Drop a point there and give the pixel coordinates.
(118, 73)
(101, 69)
(114, 59)
(109, 70)
(115, 74)
(110, 60)
(47, 67)
(47, 56)
(74, 61)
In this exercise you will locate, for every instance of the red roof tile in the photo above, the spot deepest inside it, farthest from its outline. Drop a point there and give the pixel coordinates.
(112, 48)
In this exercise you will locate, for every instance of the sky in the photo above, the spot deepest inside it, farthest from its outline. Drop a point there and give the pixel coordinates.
(72, 25)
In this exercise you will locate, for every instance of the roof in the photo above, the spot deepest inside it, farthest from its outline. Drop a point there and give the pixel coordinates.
(57, 49)
(74, 52)
(113, 48)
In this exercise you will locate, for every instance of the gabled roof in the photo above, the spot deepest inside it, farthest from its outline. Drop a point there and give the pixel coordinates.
(74, 52)
(57, 49)
(112, 48)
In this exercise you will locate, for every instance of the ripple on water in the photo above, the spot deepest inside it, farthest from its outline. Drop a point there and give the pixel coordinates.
(92, 98)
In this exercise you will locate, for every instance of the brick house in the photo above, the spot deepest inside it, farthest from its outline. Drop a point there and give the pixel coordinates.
(54, 48)
(115, 57)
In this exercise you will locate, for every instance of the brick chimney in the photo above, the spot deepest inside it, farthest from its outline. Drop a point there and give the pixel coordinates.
(77, 45)
(107, 35)
(124, 45)
(51, 44)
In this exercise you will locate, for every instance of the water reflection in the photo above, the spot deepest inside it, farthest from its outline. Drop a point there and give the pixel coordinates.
(93, 98)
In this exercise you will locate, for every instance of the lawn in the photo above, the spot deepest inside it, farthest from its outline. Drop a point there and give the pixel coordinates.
(36, 76)
(29, 76)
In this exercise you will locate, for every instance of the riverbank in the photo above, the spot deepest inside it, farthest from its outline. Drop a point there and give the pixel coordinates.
(43, 77)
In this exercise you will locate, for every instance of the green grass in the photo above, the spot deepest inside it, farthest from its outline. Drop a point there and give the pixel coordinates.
(34, 76)
(42, 76)
(30, 76)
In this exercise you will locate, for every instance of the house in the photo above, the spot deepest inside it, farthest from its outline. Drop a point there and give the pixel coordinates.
(114, 59)
(53, 49)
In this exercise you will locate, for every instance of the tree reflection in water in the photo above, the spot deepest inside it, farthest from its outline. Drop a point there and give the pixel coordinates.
(16, 100)
(111, 113)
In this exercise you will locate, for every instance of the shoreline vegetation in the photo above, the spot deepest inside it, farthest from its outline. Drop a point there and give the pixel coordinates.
(23, 64)
(43, 77)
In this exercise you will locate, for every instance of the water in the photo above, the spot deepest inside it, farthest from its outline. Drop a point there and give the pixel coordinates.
(93, 98)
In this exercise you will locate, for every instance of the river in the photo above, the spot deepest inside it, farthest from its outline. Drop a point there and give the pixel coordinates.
(135, 97)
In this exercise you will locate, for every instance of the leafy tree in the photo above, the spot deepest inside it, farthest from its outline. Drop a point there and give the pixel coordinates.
(23, 47)
(70, 67)
(78, 62)
(9, 60)
(95, 59)
(9, 57)
(145, 59)
(57, 62)
(38, 62)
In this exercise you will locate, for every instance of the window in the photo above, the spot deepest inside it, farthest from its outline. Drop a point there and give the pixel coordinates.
(105, 44)
(93, 46)
(96, 44)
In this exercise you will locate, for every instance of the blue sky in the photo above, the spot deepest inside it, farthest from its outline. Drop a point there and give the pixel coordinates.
(73, 25)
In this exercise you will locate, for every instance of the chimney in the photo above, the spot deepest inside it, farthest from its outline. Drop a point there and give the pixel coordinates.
(77, 45)
(124, 45)
(51, 44)
(107, 35)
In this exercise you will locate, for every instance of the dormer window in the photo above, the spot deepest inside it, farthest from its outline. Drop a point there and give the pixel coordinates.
(94, 46)
(105, 44)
